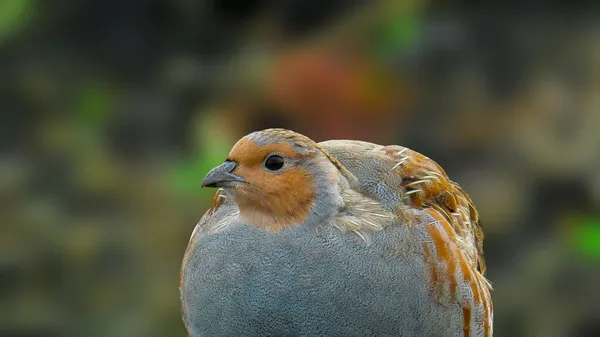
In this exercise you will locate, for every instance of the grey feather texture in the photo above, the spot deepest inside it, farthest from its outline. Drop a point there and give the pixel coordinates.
(373, 168)
(246, 281)
(361, 271)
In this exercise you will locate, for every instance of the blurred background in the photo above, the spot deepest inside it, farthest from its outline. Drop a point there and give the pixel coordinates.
(112, 111)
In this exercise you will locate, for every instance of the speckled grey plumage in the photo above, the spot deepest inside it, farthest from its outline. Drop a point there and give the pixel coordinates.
(241, 280)
(250, 282)
(372, 168)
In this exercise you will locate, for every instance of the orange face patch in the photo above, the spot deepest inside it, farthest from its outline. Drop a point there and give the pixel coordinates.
(272, 200)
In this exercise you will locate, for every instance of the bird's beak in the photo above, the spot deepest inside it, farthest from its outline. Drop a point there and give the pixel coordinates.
(222, 176)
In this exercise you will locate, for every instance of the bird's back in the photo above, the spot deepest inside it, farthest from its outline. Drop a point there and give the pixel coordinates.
(397, 176)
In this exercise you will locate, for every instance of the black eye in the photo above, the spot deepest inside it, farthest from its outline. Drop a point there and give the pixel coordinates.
(274, 163)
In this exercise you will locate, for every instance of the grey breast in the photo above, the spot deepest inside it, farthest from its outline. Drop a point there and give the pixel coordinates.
(246, 281)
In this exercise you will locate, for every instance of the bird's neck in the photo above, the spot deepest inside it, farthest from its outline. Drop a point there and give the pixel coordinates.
(345, 209)
(276, 213)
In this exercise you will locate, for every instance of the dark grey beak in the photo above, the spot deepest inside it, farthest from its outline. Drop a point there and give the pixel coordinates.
(222, 176)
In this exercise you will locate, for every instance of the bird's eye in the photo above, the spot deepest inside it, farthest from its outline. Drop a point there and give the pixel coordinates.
(274, 163)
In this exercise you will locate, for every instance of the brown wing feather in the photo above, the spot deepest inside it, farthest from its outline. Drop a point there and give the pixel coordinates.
(426, 184)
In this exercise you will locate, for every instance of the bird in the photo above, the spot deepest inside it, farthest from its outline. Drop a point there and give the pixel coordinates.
(336, 238)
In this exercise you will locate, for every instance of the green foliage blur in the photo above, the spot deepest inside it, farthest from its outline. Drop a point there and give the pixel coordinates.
(112, 112)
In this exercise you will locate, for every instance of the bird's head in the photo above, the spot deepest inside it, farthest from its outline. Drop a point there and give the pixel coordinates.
(279, 178)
